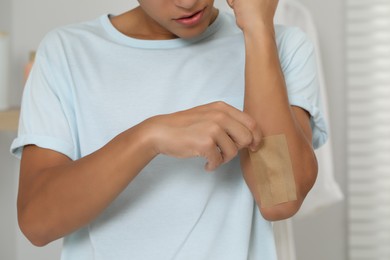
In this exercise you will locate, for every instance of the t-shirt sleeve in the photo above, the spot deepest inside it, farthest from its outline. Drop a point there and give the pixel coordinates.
(44, 120)
(297, 58)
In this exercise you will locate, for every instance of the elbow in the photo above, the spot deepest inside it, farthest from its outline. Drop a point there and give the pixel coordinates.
(289, 209)
(34, 231)
(38, 242)
(281, 211)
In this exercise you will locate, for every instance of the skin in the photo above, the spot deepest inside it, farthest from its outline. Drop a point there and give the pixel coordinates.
(58, 196)
(265, 88)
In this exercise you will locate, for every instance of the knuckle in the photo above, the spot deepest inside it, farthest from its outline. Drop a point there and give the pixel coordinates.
(219, 116)
(214, 130)
(247, 140)
(252, 124)
(230, 155)
(220, 104)
(208, 144)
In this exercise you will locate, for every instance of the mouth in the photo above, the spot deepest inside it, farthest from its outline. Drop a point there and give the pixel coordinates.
(191, 19)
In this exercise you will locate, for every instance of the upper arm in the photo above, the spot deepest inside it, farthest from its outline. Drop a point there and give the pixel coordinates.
(303, 119)
(33, 162)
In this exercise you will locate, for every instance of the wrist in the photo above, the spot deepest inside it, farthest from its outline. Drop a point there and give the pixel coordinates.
(142, 138)
(151, 134)
(260, 32)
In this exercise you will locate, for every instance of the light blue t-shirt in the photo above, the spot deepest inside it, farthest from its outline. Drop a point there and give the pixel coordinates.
(90, 82)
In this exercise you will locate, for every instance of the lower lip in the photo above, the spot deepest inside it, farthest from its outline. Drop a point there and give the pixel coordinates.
(191, 21)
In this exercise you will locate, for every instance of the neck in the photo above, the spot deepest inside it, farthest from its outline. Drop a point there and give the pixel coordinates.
(136, 24)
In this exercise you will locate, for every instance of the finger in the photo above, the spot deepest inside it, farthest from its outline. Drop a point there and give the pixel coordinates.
(227, 146)
(230, 3)
(251, 125)
(214, 158)
(239, 134)
(243, 118)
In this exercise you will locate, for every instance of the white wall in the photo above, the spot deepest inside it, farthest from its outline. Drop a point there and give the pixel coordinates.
(324, 235)
(28, 21)
(5, 17)
(8, 182)
(31, 20)
(320, 237)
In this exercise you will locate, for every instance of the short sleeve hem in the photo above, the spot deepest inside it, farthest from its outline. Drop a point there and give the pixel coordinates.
(43, 142)
(317, 120)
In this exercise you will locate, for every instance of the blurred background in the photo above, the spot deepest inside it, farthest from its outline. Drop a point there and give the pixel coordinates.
(347, 216)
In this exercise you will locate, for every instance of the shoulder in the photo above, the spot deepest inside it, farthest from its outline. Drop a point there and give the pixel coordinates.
(73, 33)
(290, 35)
(291, 41)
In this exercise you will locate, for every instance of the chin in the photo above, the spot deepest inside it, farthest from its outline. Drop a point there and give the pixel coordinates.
(191, 32)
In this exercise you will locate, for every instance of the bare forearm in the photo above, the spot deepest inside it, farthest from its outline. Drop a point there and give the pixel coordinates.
(64, 198)
(267, 102)
(58, 196)
(265, 92)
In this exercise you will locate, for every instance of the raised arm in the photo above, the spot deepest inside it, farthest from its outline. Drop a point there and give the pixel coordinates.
(267, 102)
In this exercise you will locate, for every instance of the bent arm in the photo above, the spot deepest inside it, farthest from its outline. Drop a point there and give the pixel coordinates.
(266, 100)
(58, 196)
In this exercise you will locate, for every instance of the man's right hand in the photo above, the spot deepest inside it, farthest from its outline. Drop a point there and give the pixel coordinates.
(215, 131)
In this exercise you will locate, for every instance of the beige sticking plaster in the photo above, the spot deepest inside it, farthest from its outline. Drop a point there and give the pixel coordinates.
(273, 171)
